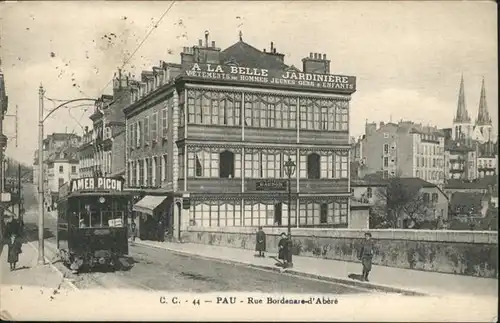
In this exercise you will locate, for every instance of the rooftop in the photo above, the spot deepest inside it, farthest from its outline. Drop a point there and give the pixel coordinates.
(482, 183)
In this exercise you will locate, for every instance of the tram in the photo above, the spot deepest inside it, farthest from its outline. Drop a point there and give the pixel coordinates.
(92, 223)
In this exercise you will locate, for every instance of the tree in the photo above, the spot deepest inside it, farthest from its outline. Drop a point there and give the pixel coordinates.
(403, 197)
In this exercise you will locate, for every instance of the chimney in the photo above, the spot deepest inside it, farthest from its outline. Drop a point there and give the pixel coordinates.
(272, 47)
(381, 124)
(370, 128)
(314, 64)
(264, 50)
(200, 42)
(274, 50)
(206, 38)
(213, 44)
(86, 129)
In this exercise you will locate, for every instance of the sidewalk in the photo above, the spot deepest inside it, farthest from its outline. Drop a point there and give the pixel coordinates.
(388, 279)
(28, 272)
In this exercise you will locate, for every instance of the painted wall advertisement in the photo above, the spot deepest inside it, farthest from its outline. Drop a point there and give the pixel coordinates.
(231, 73)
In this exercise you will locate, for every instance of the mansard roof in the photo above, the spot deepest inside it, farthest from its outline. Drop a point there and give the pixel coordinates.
(249, 56)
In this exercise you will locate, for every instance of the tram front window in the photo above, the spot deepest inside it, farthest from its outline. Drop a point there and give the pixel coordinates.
(101, 212)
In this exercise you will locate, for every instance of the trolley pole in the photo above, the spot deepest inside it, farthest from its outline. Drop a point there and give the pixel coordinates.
(41, 252)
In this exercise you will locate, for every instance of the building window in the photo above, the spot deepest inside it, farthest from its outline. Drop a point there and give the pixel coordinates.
(73, 169)
(138, 137)
(369, 193)
(154, 127)
(313, 166)
(153, 171)
(61, 169)
(204, 163)
(386, 161)
(141, 173)
(226, 167)
(341, 165)
(147, 134)
(163, 168)
(214, 108)
(434, 197)
(386, 135)
(386, 148)
(327, 166)
(341, 116)
(164, 122)
(426, 198)
(271, 165)
(129, 135)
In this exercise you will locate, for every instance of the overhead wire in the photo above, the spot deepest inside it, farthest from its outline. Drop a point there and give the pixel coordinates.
(142, 42)
(107, 84)
(131, 55)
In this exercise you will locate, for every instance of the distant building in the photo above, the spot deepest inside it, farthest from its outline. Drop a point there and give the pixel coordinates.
(62, 166)
(52, 146)
(103, 148)
(372, 190)
(403, 149)
(471, 149)
(480, 185)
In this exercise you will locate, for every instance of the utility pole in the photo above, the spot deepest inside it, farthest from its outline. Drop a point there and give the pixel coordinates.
(20, 202)
(41, 252)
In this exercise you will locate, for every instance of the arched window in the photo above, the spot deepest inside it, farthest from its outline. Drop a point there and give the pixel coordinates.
(313, 166)
(226, 166)
(198, 167)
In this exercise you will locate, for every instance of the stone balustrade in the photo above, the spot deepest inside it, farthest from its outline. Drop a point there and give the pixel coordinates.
(473, 253)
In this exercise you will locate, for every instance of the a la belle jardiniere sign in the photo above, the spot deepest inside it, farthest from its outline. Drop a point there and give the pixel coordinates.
(231, 73)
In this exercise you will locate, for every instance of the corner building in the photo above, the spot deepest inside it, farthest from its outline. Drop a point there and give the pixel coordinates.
(209, 132)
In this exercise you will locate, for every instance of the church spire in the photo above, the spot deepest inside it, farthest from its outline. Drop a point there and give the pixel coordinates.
(462, 116)
(483, 116)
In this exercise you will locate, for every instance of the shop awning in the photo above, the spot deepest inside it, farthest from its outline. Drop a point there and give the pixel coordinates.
(148, 204)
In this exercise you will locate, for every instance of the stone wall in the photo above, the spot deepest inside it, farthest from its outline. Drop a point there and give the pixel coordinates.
(472, 253)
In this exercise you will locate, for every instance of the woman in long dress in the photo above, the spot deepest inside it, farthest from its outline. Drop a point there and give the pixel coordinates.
(283, 249)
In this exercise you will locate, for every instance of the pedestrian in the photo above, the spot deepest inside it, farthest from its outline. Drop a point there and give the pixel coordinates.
(260, 242)
(133, 229)
(14, 249)
(161, 231)
(283, 249)
(366, 255)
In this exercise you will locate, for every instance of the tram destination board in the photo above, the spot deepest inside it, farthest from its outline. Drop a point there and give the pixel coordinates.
(271, 185)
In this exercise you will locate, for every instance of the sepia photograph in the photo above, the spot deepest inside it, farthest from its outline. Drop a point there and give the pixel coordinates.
(249, 161)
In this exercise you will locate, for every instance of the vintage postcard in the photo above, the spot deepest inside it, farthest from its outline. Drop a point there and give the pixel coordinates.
(249, 161)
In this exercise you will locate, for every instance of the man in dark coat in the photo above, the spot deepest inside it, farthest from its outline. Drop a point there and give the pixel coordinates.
(14, 249)
(260, 242)
(283, 249)
(366, 255)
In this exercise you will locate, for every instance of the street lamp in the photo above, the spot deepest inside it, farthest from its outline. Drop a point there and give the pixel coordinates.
(289, 171)
(41, 120)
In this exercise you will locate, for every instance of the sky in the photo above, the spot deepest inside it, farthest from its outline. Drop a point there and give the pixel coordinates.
(408, 57)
